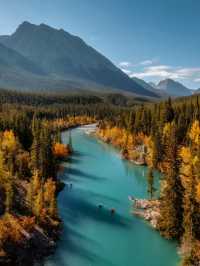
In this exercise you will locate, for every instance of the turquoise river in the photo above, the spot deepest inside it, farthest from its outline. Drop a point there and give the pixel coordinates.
(92, 236)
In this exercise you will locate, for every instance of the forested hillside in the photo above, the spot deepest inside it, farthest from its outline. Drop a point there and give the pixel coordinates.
(166, 136)
(30, 154)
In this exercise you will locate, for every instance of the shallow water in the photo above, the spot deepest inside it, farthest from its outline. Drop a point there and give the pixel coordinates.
(92, 236)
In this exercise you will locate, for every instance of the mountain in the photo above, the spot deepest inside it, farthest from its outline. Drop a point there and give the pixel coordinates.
(173, 88)
(152, 84)
(151, 87)
(197, 91)
(11, 59)
(65, 60)
(16, 69)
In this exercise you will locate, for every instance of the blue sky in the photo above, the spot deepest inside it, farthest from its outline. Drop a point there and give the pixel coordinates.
(150, 39)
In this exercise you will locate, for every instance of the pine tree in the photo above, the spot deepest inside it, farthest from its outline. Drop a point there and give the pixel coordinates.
(150, 181)
(35, 147)
(50, 197)
(57, 136)
(9, 195)
(29, 197)
(47, 164)
(168, 112)
(190, 178)
(36, 182)
(170, 222)
(38, 204)
(3, 172)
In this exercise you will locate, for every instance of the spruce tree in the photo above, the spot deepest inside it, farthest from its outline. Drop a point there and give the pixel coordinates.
(170, 222)
(150, 182)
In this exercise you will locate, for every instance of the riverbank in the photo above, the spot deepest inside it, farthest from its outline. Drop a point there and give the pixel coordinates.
(24, 239)
(30, 224)
(149, 210)
(71, 123)
(138, 150)
(35, 245)
(131, 148)
(41, 240)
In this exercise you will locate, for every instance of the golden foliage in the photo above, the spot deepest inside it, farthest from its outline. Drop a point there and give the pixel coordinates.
(150, 146)
(36, 182)
(27, 223)
(194, 133)
(167, 129)
(10, 229)
(117, 136)
(198, 192)
(14, 229)
(186, 166)
(186, 155)
(132, 145)
(50, 197)
(38, 203)
(9, 141)
(61, 150)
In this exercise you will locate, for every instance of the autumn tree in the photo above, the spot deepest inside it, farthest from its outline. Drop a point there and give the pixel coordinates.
(170, 222)
(35, 147)
(190, 178)
(50, 197)
(60, 150)
(34, 186)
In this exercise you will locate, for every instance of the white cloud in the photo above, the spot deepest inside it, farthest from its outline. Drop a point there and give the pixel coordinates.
(158, 67)
(150, 69)
(165, 71)
(125, 64)
(128, 64)
(146, 62)
(188, 72)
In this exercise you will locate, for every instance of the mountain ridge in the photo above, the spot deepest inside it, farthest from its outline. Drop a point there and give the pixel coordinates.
(62, 56)
(151, 87)
(173, 88)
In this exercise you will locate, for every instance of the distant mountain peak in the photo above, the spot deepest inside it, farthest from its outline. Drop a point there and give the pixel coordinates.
(24, 24)
(173, 88)
(169, 81)
(151, 87)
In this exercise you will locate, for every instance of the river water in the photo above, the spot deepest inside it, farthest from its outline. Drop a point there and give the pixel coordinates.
(92, 236)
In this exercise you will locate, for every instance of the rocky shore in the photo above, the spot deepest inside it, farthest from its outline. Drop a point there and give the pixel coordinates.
(33, 248)
(149, 210)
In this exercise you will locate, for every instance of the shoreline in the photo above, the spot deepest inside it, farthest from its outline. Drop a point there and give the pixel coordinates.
(148, 210)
